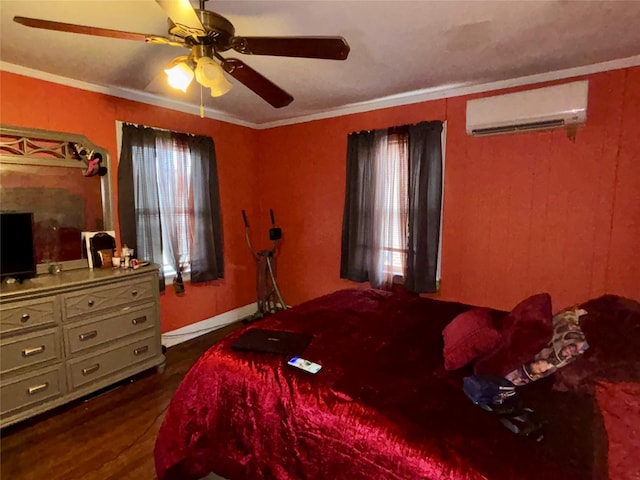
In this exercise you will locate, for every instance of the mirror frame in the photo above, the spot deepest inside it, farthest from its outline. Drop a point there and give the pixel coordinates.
(26, 148)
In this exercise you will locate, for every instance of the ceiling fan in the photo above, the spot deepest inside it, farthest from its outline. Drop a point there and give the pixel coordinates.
(208, 35)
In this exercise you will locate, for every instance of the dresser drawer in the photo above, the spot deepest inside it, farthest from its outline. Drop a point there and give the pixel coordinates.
(110, 296)
(30, 349)
(90, 368)
(84, 335)
(16, 316)
(29, 390)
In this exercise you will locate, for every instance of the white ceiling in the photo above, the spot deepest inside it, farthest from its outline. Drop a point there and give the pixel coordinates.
(397, 47)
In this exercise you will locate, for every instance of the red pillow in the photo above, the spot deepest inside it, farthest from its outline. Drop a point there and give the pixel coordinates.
(468, 336)
(525, 331)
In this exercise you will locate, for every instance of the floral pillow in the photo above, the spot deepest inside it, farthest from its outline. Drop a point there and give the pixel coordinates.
(612, 328)
(567, 344)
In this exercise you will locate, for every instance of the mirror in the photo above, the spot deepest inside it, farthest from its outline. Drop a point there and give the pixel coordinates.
(62, 178)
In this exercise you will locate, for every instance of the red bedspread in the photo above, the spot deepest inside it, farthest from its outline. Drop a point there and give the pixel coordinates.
(382, 407)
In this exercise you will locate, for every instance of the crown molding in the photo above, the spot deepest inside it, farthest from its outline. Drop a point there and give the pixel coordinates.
(126, 93)
(407, 98)
(449, 91)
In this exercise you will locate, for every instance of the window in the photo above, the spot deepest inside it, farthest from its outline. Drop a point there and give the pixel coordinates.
(392, 215)
(169, 202)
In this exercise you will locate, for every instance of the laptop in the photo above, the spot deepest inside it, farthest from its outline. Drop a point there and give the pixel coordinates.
(272, 341)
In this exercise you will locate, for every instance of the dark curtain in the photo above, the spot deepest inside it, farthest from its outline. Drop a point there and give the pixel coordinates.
(357, 219)
(146, 190)
(206, 235)
(138, 202)
(425, 205)
(425, 194)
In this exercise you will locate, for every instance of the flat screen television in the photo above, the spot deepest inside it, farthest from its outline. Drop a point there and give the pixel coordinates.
(17, 257)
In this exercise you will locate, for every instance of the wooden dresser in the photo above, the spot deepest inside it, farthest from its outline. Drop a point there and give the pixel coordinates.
(67, 335)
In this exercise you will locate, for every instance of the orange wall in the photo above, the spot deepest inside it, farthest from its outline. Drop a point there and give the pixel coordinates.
(33, 103)
(522, 213)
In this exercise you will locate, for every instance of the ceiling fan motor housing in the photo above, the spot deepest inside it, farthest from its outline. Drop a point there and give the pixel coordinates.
(220, 31)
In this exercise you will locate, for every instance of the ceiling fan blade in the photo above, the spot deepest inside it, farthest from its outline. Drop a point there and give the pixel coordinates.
(96, 31)
(184, 16)
(264, 87)
(332, 48)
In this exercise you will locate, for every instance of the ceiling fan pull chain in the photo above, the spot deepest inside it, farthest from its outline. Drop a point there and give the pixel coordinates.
(201, 104)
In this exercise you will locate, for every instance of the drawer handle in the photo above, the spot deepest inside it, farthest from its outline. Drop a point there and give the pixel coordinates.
(25, 318)
(90, 303)
(140, 350)
(88, 336)
(91, 369)
(134, 292)
(139, 320)
(37, 388)
(28, 352)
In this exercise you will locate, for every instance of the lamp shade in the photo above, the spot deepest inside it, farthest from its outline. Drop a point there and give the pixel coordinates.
(210, 74)
(180, 75)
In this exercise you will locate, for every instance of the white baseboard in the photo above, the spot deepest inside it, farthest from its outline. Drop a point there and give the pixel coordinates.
(174, 337)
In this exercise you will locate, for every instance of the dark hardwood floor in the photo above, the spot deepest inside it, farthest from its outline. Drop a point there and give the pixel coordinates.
(107, 437)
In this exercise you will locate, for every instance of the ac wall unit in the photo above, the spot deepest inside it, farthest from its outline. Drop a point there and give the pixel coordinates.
(537, 109)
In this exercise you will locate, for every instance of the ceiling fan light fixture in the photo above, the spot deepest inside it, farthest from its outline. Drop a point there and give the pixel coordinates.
(179, 74)
(210, 74)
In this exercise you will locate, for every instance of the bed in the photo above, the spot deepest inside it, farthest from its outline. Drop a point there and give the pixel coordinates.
(384, 407)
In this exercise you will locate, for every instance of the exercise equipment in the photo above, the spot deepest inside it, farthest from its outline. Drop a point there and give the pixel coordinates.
(268, 294)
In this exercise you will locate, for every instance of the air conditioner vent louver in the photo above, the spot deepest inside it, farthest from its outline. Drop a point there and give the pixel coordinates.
(545, 124)
(538, 109)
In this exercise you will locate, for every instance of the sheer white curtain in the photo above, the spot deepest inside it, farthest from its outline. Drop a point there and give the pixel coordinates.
(175, 198)
(391, 208)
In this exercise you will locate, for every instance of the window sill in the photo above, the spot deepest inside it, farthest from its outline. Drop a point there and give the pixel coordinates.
(169, 277)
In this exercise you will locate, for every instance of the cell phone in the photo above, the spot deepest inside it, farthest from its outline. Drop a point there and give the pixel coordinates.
(305, 365)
